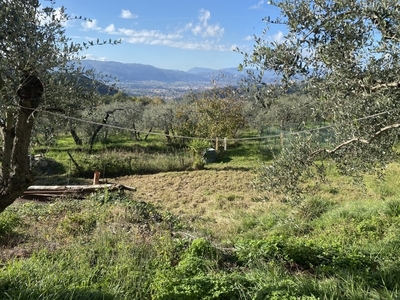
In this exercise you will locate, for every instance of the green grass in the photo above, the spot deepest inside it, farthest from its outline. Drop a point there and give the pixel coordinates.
(120, 155)
(341, 242)
(116, 248)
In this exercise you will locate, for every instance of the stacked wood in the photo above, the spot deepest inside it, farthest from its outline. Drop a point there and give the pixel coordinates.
(45, 192)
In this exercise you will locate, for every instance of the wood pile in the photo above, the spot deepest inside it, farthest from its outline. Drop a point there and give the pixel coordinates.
(78, 191)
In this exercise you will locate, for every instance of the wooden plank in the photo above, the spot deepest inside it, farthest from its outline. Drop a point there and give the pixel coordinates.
(60, 190)
(71, 187)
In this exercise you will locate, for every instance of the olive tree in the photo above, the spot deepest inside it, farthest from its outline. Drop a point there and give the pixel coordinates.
(37, 75)
(345, 54)
(161, 116)
(220, 113)
(111, 117)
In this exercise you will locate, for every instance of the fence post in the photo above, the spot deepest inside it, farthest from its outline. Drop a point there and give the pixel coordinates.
(224, 143)
(96, 178)
(216, 143)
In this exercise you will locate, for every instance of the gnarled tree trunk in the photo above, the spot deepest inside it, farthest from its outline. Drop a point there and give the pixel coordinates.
(16, 175)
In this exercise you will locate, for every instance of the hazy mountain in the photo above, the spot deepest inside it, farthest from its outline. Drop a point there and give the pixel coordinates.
(199, 71)
(134, 72)
(129, 72)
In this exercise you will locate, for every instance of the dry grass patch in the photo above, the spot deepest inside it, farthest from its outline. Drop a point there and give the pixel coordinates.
(202, 197)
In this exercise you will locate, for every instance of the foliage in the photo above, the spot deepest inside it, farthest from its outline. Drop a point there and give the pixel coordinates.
(197, 148)
(108, 119)
(196, 276)
(220, 113)
(334, 245)
(8, 221)
(115, 163)
(38, 73)
(345, 55)
(161, 116)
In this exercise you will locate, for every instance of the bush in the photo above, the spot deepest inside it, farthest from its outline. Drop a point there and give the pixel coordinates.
(197, 275)
(120, 163)
(8, 221)
(197, 148)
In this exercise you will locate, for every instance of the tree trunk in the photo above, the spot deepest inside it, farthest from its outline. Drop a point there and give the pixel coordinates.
(76, 138)
(98, 128)
(167, 135)
(16, 173)
(135, 132)
(148, 133)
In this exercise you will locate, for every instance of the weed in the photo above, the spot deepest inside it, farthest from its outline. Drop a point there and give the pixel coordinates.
(78, 224)
(8, 222)
(313, 207)
(392, 208)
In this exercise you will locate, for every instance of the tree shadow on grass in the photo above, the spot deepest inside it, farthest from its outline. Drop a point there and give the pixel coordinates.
(46, 166)
(12, 292)
(228, 168)
(60, 180)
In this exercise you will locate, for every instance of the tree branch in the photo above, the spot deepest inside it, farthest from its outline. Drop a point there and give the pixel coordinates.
(355, 139)
(384, 85)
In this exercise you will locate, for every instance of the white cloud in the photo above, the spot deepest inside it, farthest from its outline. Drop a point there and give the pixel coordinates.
(249, 38)
(184, 37)
(197, 30)
(203, 28)
(94, 57)
(204, 16)
(148, 36)
(90, 25)
(175, 40)
(110, 29)
(278, 37)
(258, 5)
(126, 14)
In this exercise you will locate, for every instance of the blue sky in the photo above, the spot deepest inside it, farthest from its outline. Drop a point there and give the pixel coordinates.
(176, 34)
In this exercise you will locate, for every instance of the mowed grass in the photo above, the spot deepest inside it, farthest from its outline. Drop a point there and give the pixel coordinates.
(207, 234)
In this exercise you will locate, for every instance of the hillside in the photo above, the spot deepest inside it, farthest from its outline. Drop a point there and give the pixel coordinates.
(139, 72)
(134, 72)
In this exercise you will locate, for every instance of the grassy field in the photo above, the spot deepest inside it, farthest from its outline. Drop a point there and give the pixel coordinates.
(204, 234)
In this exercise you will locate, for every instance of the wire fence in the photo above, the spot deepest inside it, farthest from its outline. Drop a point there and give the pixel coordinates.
(274, 136)
(277, 137)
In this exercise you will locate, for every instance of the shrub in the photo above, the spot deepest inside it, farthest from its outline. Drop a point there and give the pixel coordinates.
(120, 163)
(8, 221)
(197, 148)
(197, 276)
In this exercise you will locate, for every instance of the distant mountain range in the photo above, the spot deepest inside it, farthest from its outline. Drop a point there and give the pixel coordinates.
(133, 72)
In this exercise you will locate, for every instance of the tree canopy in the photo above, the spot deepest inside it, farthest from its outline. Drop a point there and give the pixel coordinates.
(346, 55)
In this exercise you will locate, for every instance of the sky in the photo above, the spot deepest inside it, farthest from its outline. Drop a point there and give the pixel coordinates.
(175, 34)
